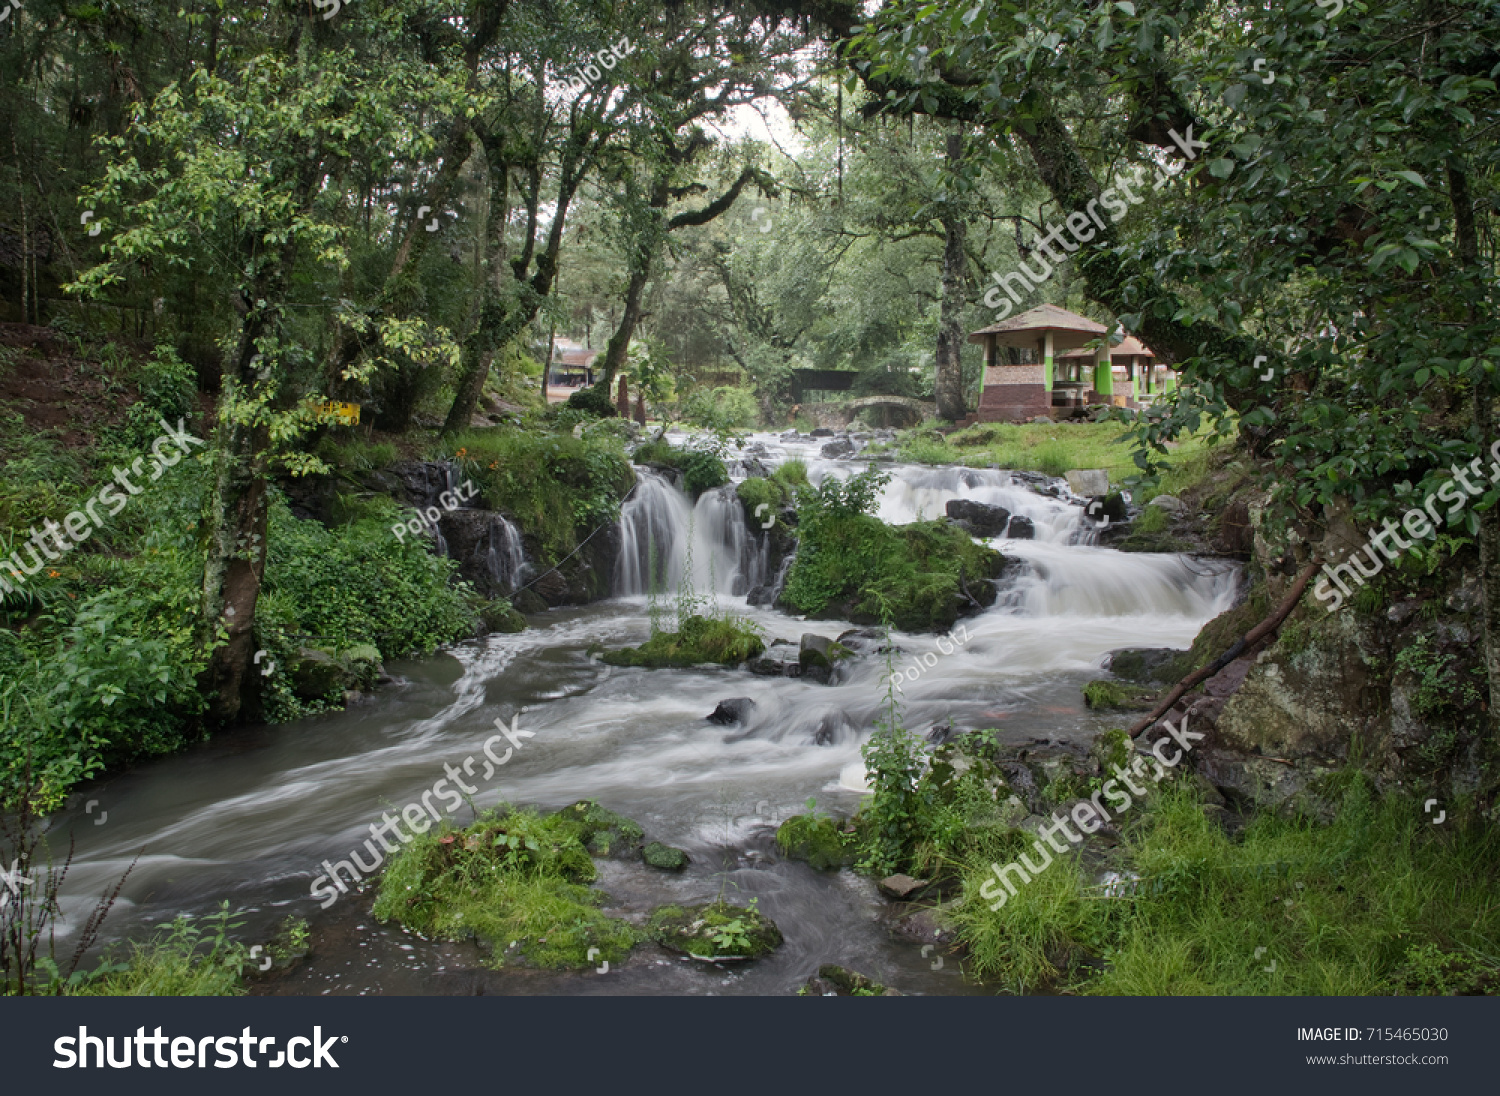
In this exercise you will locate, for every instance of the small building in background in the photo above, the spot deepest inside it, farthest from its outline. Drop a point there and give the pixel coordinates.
(1039, 363)
(572, 367)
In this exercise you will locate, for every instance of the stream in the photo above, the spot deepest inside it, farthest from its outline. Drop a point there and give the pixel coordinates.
(250, 815)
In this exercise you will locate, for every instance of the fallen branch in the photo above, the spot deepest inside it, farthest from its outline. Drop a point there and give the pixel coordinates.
(1249, 640)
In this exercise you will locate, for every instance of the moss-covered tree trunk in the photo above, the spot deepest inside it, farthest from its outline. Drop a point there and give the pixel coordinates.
(950, 341)
(1467, 240)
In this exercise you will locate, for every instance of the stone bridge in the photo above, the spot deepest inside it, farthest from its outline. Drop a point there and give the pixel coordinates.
(894, 411)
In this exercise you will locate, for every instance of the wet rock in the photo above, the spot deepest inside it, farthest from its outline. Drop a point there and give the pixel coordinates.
(734, 710)
(1109, 508)
(820, 432)
(836, 981)
(501, 616)
(527, 601)
(844, 447)
(981, 520)
(903, 888)
(1147, 664)
(316, 673)
(923, 927)
(1170, 503)
(816, 657)
(779, 660)
(717, 931)
(1088, 482)
(665, 857)
(1021, 528)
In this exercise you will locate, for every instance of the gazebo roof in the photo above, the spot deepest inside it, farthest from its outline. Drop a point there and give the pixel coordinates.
(1068, 329)
(1131, 347)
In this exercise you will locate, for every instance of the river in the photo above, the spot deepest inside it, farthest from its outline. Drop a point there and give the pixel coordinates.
(248, 816)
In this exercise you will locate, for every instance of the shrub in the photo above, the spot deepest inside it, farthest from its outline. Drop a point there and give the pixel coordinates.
(853, 565)
(594, 401)
(359, 584)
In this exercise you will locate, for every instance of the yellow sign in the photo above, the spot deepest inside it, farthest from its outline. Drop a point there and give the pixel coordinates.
(346, 414)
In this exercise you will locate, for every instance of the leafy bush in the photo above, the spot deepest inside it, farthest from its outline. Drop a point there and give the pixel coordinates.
(358, 584)
(593, 401)
(724, 408)
(701, 464)
(168, 387)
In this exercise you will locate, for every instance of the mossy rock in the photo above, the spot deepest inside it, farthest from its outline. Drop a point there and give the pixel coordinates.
(818, 839)
(515, 881)
(836, 981)
(317, 673)
(715, 931)
(1150, 665)
(500, 615)
(1114, 694)
(603, 832)
(1112, 748)
(723, 641)
(665, 857)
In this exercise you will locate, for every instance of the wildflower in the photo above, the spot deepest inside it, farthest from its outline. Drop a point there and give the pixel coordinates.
(53, 574)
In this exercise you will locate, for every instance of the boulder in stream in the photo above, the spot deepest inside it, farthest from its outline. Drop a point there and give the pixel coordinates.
(903, 888)
(836, 981)
(843, 447)
(603, 832)
(1021, 529)
(733, 710)
(978, 518)
(665, 857)
(716, 932)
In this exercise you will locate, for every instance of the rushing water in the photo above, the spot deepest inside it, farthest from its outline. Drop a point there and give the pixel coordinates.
(249, 816)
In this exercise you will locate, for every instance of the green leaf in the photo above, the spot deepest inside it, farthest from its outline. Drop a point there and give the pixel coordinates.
(1221, 168)
(1412, 177)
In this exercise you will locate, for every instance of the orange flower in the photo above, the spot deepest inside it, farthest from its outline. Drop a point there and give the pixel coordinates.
(53, 574)
(461, 452)
(494, 464)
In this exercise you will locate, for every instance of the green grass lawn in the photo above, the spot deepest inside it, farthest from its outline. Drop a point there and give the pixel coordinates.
(1052, 448)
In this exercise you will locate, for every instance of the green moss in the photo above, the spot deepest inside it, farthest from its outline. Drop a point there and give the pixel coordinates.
(515, 881)
(818, 839)
(665, 857)
(701, 469)
(1113, 749)
(756, 492)
(726, 641)
(717, 930)
(857, 567)
(1114, 694)
(1154, 519)
(600, 830)
(791, 475)
(500, 615)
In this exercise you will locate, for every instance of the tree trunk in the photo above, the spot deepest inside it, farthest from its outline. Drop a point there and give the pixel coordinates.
(619, 342)
(235, 517)
(950, 341)
(1471, 275)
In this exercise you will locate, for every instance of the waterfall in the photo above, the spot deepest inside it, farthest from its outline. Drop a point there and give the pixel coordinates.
(653, 531)
(657, 520)
(505, 555)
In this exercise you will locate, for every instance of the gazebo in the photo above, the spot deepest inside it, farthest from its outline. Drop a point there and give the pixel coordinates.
(1131, 360)
(1016, 392)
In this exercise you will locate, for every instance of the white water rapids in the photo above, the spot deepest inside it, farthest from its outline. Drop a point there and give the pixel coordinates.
(249, 816)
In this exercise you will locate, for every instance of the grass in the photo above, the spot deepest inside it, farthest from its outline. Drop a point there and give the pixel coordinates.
(723, 640)
(1377, 902)
(1050, 448)
(516, 881)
